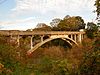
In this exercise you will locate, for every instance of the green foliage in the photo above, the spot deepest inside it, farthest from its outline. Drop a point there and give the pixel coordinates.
(71, 24)
(68, 23)
(91, 61)
(48, 66)
(9, 57)
(54, 24)
(42, 27)
(97, 4)
(91, 30)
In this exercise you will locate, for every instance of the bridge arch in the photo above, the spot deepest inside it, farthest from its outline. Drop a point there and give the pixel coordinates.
(66, 39)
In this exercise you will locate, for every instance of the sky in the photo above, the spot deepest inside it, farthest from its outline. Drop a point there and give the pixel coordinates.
(26, 14)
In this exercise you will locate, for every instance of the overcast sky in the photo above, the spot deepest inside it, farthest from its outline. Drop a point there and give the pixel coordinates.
(25, 14)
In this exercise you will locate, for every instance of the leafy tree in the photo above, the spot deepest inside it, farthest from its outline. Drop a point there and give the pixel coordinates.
(91, 61)
(67, 16)
(7, 56)
(54, 24)
(81, 21)
(42, 27)
(91, 30)
(71, 23)
(97, 4)
(12, 59)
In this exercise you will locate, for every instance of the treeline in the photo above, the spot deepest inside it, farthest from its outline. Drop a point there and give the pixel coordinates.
(68, 23)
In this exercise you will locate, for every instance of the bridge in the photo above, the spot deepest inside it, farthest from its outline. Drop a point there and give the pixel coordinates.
(71, 37)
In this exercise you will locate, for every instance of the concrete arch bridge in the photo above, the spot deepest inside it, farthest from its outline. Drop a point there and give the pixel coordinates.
(68, 36)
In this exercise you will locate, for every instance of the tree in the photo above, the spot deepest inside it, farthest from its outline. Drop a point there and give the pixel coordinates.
(91, 30)
(54, 24)
(42, 27)
(81, 21)
(91, 26)
(91, 60)
(97, 4)
(67, 16)
(71, 23)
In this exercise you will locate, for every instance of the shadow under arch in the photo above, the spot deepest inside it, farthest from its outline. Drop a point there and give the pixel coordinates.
(49, 39)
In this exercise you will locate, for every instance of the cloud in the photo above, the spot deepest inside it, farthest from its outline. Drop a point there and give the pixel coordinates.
(51, 6)
(27, 20)
(44, 10)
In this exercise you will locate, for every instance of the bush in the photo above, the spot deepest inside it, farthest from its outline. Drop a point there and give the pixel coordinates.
(91, 61)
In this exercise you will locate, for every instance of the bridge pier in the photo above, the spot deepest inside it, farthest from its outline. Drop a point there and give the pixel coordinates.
(31, 42)
(71, 36)
(42, 38)
(18, 42)
(75, 37)
(80, 38)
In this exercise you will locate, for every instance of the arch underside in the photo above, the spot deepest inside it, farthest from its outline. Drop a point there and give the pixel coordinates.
(68, 40)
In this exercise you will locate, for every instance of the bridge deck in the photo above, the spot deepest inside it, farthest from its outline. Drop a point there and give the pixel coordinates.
(8, 33)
